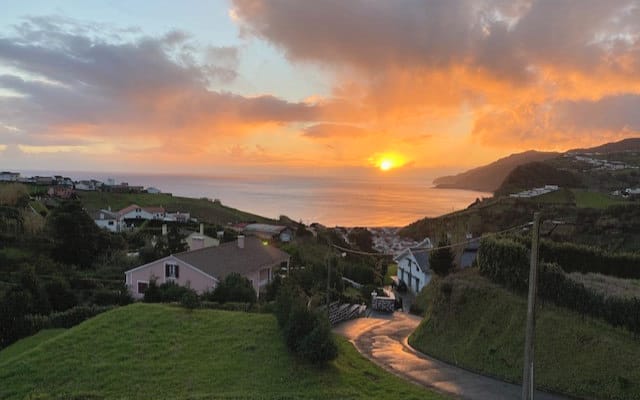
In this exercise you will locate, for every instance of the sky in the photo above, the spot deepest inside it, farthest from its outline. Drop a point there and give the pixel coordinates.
(272, 85)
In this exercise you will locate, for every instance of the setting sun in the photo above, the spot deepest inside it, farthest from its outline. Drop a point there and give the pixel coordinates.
(387, 161)
(386, 165)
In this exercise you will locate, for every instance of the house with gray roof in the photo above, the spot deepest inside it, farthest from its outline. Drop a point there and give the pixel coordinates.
(268, 232)
(413, 265)
(204, 268)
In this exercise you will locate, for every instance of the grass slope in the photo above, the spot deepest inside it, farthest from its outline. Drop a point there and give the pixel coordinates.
(205, 210)
(481, 326)
(148, 351)
(28, 344)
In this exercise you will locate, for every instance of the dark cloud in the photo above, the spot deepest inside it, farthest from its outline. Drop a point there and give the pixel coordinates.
(508, 39)
(69, 75)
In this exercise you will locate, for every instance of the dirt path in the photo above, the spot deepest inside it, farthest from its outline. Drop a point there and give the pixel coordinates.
(383, 339)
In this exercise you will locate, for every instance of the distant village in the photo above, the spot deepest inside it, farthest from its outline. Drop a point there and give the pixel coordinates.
(64, 187)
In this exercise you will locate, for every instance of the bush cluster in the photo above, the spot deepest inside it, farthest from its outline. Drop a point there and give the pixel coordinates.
(31, 324)
(506, 262)
(578, 258)
(234, 287)
(306, 333)
(168, 292)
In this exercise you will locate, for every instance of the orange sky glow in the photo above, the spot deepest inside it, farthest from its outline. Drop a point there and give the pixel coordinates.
(377, 84)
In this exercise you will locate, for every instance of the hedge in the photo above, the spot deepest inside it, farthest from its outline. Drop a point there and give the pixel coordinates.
(579, 258)
(506, 262)
(30, 324)
(574, 257)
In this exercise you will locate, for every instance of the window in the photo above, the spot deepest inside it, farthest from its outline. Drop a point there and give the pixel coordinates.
(110, 223)
(142, 286)
(171, 271)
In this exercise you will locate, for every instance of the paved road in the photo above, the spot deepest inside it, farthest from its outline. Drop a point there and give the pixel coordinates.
(383, 339)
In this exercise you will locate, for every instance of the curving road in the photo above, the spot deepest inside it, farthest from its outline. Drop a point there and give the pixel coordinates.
(383, 339)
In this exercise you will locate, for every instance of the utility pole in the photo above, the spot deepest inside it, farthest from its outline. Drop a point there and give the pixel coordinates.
(528, 373)
(328, 286)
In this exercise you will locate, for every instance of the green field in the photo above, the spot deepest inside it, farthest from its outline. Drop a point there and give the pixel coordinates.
(480, 326)
(148, 351)
(587, 199)
(28, 343)
(202, 209)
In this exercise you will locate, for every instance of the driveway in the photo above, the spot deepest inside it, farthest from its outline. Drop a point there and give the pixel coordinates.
(383, 339)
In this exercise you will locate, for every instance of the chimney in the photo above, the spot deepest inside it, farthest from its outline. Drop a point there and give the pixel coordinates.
(164, 229)
(241, 241)
(202, 229)
(109, 208)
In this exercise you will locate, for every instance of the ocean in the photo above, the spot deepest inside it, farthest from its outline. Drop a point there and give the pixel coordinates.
(372, 201)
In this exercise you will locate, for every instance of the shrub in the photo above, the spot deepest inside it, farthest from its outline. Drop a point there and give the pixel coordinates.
(60, 295)
(190, 300)
(306, 333)
(318, 345)
(106, 297)
(152, 294)
(441, 259)
(228, 306)
(76, 315)
(234, 287)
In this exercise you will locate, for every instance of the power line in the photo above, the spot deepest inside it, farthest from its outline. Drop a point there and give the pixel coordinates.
(468, 241)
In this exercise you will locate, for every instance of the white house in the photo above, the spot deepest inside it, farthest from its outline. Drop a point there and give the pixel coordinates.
(107, 220)
(134, 211)
(204, 268)
(198, 240)
(85, 185)
(176, 217)
(413, 266)
(266, 231)
(153, 190)
(7, 176)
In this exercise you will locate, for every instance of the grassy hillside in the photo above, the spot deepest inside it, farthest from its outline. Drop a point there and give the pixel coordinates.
(203, 209)
(489, 177)
(536, 174)
(472, 323)
(28, 343)
(148, 351)
(630, 144)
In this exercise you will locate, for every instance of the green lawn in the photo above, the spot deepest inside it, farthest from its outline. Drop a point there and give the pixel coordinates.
(148, 351)
(560, 196)
(202, 209)
(28, 343)
(480, 326)
(392, 270)
(587, 199)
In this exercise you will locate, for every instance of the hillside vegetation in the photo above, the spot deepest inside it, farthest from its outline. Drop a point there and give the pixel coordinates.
(148, 351)
(475, 324)
(488, 177)
(205, 210)
(536, 174)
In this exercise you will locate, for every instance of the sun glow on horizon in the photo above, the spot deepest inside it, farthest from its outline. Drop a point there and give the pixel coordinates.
(387, 161)
(386, 165)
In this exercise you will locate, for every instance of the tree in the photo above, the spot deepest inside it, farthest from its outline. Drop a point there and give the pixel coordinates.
(77, 239)
(362, 238)
(441, 259)
(173, 243)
